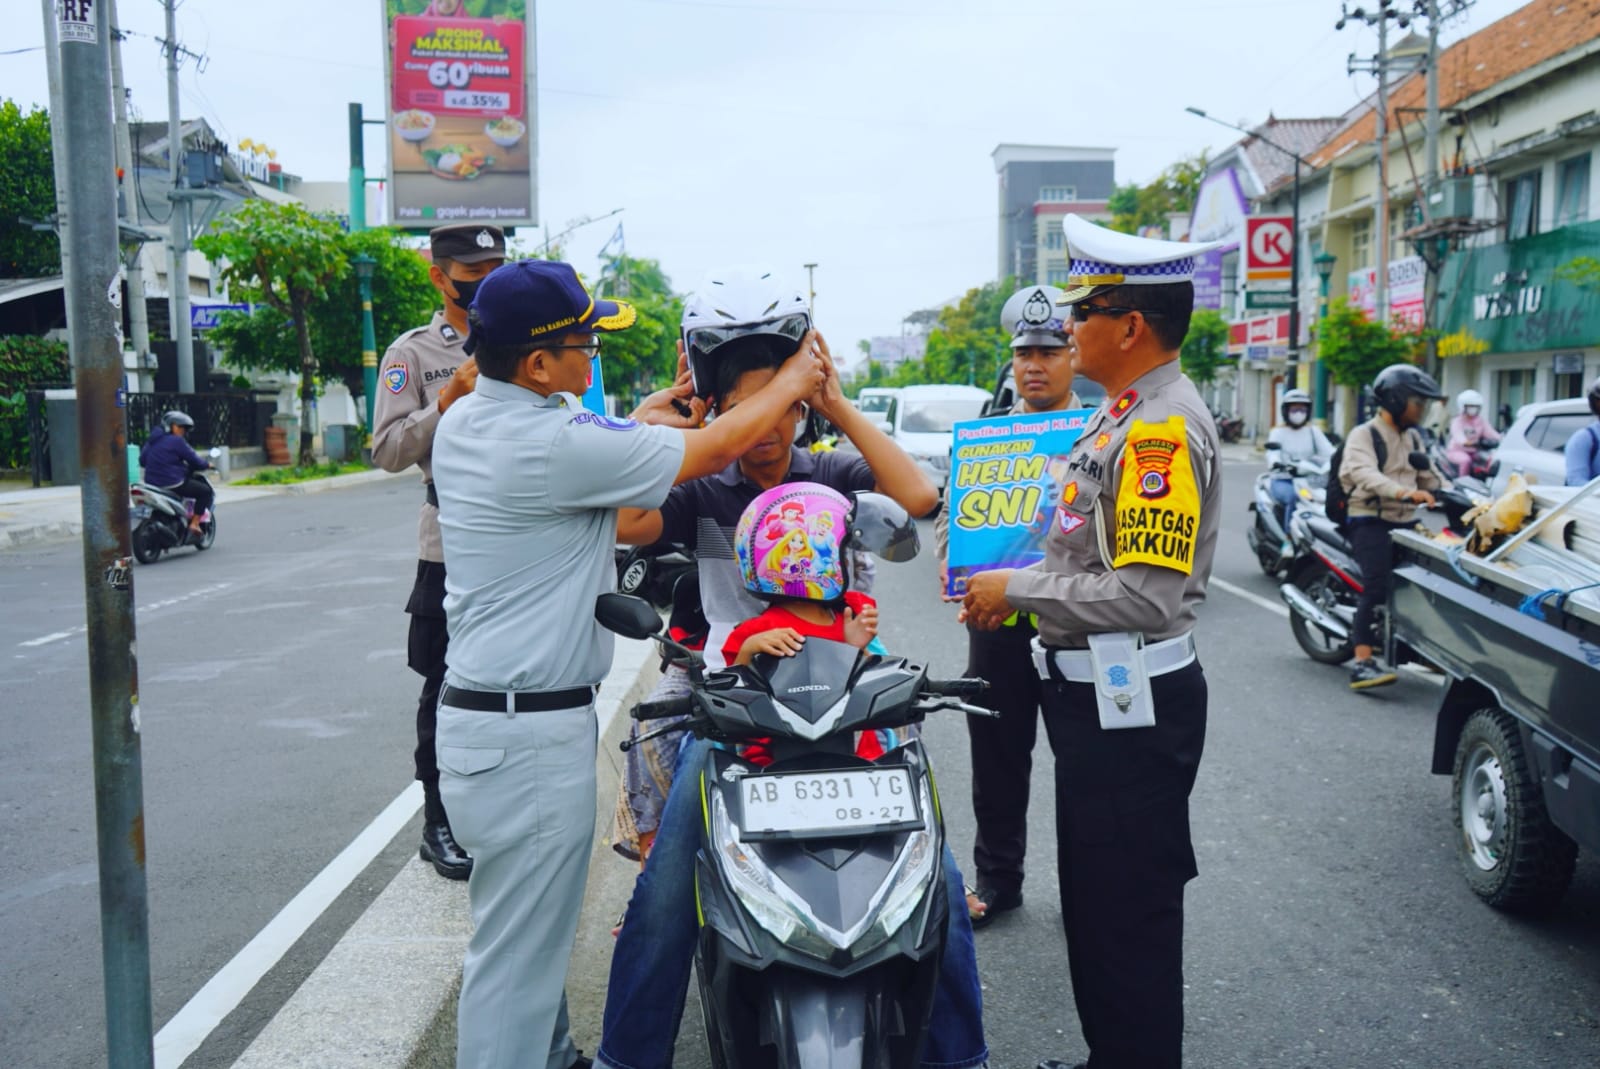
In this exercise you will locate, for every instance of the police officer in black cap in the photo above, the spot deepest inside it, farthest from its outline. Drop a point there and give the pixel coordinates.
(422, 374)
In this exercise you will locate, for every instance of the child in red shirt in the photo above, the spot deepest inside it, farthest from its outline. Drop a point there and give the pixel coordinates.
(789, 544)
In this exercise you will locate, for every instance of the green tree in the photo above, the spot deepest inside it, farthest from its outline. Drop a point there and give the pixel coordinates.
(645, 356)
(1355, 348)
(283, 256)
(27, 191)
(968, 344)
(1205, 347)
(1174, 190)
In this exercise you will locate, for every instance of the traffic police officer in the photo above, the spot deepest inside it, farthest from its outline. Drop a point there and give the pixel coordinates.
(528, 487)
(1127, 560)
(422, 374)
(1002, 748)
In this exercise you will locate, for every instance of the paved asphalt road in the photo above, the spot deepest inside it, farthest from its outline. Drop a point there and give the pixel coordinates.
(277, 718)
(1329, 926)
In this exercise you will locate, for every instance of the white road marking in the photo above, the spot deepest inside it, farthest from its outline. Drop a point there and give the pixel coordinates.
(45, 640)
(1252, 597)
(189, 1027)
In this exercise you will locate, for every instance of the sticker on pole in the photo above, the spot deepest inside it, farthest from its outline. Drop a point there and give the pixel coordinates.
(75, 22)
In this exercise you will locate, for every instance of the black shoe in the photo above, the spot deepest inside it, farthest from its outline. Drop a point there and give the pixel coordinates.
(583, 1062)
(441, 848)
(1051, 1063)
(996, 903)
(1369, 673)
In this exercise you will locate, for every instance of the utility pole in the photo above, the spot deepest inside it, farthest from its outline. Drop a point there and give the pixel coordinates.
(94, 326)
(178, 219)
(1380, 282)
(811, 291)
(1430, 128)
(58, 138)
(138, 314)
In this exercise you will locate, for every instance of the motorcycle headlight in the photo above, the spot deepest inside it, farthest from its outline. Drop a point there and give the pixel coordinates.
(911, 874)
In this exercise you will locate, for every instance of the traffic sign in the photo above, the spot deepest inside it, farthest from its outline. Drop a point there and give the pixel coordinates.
(1269, 247)
(1268, 299)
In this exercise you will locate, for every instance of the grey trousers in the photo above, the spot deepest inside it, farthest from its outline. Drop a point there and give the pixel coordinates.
(520, 794)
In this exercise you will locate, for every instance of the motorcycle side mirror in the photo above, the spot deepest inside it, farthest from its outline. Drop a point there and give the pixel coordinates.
(627, 615)
(1419, 460)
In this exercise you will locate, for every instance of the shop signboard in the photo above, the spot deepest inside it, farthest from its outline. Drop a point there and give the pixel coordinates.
(461, 113)
(1515, 297)
(1408, 278)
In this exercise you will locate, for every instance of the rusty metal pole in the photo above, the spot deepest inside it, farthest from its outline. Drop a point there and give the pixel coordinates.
(94, 324)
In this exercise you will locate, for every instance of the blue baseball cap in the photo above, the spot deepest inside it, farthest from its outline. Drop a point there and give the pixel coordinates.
(527, 300)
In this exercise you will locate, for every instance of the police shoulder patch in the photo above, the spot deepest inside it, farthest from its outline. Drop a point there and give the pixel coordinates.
(1158, 501)
(395, 377)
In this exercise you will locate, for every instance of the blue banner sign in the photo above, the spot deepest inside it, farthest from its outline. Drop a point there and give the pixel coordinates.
(205, 316)
(1006, 479)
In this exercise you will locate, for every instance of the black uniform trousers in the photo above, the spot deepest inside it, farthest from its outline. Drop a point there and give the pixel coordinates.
(1125, 853)
(1002, 752)
(426, 645)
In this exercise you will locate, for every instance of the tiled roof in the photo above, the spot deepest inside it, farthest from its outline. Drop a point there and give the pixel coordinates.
(1299, 136)
(1523, 39)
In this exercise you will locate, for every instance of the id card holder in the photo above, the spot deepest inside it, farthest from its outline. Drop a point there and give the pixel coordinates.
(1041, 659)
(1121, 686)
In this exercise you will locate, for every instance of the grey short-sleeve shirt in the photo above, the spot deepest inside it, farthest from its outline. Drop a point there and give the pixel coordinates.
(528, 487)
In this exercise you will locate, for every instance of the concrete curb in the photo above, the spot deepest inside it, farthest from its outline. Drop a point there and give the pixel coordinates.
(385, 996)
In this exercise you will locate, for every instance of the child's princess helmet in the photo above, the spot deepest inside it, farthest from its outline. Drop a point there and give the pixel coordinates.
(791, 540)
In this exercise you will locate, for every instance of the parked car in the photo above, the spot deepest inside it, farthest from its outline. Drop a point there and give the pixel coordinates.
(1534, 443)
(877, 404)
(922, 419)
(1091, 393)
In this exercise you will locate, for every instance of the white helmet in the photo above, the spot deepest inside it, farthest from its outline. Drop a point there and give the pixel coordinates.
(1030, 317)
(1469, 397)
(1291, 398)
(750, 306)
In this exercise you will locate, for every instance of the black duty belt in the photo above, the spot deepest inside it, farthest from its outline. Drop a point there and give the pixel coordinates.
(431, 494)
(521, 701)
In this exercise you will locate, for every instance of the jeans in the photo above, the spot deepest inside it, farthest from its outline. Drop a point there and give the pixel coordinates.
(655, 951)
(1283, 493)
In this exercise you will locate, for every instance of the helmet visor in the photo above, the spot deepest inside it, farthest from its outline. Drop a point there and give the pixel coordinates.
(785, 333)
(881, 527)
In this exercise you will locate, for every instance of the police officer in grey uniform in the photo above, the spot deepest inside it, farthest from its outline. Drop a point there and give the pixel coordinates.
(1002, 748)
(422, 374)
(1127, 560)
(528, 486)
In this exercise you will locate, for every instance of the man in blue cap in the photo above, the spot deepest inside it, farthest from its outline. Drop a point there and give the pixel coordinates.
(1126, 564)
(528, 485)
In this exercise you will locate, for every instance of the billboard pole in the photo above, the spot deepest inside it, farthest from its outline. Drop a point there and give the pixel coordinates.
(94, 331)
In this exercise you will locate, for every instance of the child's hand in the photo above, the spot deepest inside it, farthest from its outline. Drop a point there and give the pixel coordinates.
(779, 642)
(859, 630)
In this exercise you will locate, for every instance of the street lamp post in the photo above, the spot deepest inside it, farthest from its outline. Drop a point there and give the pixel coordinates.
(1292, 370)
(811, 290)
(1319, 405)
(364, 266)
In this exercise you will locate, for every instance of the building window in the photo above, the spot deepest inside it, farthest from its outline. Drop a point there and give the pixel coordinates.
(1055, 240)
(1056, 276)
(1513, 389)
(1360, 244)
(1572, 190)
(1522, 206)
(1057, 194)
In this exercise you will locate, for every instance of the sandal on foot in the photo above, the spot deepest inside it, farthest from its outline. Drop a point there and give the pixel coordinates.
(993, 902)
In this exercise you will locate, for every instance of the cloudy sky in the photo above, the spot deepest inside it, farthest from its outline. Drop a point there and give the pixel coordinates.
(855, 134)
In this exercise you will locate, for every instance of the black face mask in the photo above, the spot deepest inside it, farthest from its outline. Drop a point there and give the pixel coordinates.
(465, 291)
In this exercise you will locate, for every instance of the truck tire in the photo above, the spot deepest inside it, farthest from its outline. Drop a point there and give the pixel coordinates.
(1513, 857)
(1324, 588)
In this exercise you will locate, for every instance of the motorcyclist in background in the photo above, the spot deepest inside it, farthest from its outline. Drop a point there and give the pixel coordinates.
(170, 463)
(1297, 439)
(1468, 430)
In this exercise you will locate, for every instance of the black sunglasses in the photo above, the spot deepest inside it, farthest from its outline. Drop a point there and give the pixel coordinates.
(1081, 312)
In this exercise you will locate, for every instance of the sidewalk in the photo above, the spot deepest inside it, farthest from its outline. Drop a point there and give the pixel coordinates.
(33, 516)
(385, 996)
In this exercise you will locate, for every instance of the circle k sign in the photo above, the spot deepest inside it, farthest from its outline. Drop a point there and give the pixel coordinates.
(1269, 247)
